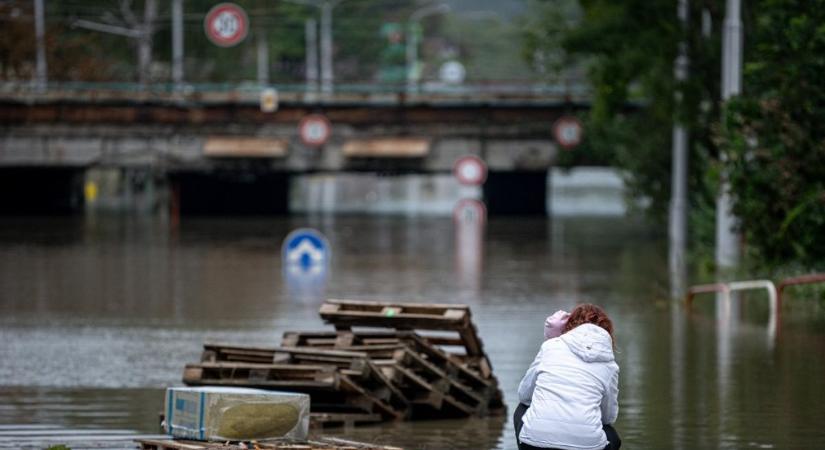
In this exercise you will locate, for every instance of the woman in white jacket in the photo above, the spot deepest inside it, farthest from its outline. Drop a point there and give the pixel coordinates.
(570, 392)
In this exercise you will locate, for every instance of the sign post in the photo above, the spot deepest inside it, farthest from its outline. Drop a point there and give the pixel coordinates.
(226, 25)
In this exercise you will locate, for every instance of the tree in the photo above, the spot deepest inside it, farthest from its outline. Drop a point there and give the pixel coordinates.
(773, 134)
(626, 49)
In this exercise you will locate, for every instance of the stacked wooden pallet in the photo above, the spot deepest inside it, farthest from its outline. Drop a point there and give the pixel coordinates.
(404, 371)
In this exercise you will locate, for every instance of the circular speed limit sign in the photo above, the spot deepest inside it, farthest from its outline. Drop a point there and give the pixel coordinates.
(314, 130)
(226, 24)
(470, 170)
(568, 132)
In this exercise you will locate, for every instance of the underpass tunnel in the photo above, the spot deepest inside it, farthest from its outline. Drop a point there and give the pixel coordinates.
(41, 190)
(229, 192)
(516, 193)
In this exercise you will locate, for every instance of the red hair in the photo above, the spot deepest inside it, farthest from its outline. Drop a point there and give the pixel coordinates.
(588, 313)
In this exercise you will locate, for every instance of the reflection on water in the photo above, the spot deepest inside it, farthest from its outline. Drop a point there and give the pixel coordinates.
(99, 314)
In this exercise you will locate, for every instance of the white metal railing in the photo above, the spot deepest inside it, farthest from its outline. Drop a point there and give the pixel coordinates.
(724, 290)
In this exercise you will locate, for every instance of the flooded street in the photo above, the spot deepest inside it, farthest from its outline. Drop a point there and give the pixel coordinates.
(99, 314)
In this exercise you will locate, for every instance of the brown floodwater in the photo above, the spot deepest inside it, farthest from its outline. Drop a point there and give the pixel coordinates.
(98, 315)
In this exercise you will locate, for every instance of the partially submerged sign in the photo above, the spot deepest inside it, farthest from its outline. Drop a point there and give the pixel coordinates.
(306, 250)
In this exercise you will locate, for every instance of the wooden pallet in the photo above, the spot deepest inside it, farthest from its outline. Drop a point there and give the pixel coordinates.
(266, 376)
(330, 339)
(216, 352)
(382, 344)
(357, 388)
(470, 387)
(456, 394)
(345, 314)
(355, 365)
(322, 443)
(466, 377)
(355, 375)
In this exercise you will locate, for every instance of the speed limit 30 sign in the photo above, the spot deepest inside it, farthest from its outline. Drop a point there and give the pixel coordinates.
(226, 24)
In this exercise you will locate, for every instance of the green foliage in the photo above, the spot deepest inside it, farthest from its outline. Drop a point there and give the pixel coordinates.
(488, 47)
(773, 135)
(78, 54)
(627, 50)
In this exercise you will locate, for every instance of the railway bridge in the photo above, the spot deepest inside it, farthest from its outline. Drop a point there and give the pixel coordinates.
(218, 151)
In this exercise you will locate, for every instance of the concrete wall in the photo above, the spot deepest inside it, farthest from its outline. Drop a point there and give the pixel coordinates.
(181, 147)
(419, 194)
(586, 191)
(583, 191)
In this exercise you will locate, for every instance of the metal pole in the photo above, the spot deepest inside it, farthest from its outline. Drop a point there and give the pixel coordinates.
(145, 42)
(679, 168)
(41, 70)
(263, 57)
(412, 56)
(727, 245)
(326, 47)
(177, 43)
(311, 31)
(413, 28)
(262, 47)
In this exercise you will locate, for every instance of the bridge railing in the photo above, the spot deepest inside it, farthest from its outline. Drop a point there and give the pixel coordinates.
(250, 91)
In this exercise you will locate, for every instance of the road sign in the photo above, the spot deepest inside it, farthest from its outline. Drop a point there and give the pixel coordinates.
(306, 250)
(269, 100)
(314, 130)
(470, 170)
(469, 217)
(568, 132)
(469, 211)
(226, 24)
(452, 72)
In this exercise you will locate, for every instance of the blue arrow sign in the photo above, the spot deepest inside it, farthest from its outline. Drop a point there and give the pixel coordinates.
(306, 250)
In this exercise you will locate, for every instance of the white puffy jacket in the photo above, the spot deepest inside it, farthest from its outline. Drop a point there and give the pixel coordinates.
(572, 388)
